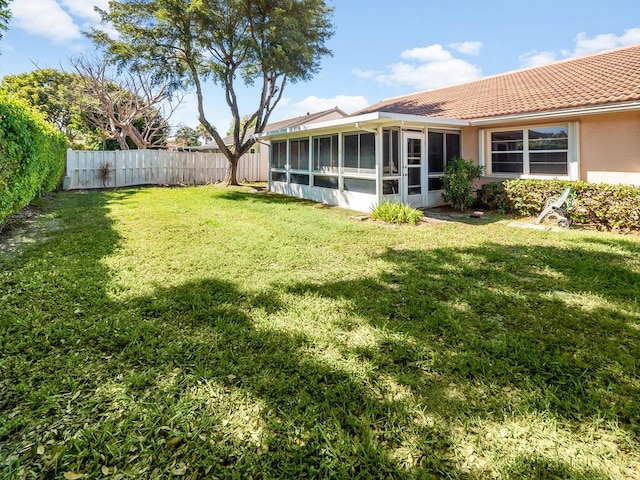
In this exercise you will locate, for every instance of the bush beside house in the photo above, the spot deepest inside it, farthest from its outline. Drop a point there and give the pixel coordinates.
(604, 206)
(32, 155)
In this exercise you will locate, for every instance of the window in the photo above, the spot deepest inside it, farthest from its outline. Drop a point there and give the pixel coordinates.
(361, 185)
(300, 154)
(279, 154)
(359, 152)
(299, 179)
(443, 146)
(507, 152)
(535, 151)
(390, 187)
(278, 177)
(390, 151)
(548, 150)
(325, 154)
(325, 181)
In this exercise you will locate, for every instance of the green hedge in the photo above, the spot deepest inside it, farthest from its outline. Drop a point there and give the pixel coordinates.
(32, 155)
(604, 206)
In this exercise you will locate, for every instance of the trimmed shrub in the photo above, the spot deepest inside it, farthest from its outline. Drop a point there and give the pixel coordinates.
(492, 196)
(398, 213)
(457, 182)
(32, 155)
(604, 206)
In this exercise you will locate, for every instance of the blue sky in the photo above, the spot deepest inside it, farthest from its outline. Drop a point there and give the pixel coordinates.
(380, 49)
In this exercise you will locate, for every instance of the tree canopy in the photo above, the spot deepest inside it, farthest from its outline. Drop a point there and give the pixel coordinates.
(93, 112)
(5, 15)
(56, 94)
(261, 43)
(187, 137)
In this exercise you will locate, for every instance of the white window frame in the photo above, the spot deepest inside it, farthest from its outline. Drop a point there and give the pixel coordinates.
(358, 171)
(309, 148)
(486, 159)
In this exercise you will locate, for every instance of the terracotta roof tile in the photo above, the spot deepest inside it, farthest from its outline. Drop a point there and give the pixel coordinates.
(609, 77)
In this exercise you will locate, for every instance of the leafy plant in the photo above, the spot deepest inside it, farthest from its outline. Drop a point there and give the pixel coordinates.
(398, 213)
(604, 206)
(32, 155)
(104, 173)
(492, 196)
(457, 182)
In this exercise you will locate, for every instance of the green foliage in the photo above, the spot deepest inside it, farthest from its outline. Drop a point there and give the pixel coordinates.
(184, 42)
(187, 136)
(5, 15)
(56, 94)
(604, 206)
(493, 197)
(457, 182)
(243, 122)
(393, 212)
(32, 155)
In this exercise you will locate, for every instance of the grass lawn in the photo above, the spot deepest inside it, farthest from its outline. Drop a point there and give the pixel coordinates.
(211, 333)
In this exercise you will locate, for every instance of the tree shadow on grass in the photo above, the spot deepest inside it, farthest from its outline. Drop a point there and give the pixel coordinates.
(202, 378)
(556, 328)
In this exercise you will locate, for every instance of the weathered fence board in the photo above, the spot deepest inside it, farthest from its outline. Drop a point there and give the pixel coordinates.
(90, 169)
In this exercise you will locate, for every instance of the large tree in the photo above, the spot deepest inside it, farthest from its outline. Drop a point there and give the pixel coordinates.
(54, 93)
(265, 43)
(5, 15)
(124, 106)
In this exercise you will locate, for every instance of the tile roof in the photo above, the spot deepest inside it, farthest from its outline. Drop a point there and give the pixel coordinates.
(604, 78)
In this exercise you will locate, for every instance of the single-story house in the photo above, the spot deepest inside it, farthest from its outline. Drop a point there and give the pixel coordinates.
(262, 147)
(574, 119)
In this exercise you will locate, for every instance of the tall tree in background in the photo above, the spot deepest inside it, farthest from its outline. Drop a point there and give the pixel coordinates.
(126, 106)
(5, 15)
(266, 43)
(187, 137)
(203, 134)
(54, 93)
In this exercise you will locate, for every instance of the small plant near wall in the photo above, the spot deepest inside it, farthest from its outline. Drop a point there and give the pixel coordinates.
(457, 182)
(104, 173)
(398, 213)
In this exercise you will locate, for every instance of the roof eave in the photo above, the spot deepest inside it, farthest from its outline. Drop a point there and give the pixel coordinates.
(368, 119)
(565, 112)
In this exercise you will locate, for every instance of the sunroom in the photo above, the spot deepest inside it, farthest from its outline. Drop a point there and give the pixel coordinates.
(358, 162)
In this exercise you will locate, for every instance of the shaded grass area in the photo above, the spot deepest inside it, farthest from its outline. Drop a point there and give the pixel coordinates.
(208, 333)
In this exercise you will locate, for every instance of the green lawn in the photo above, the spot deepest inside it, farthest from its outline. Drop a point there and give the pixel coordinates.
(211, 333)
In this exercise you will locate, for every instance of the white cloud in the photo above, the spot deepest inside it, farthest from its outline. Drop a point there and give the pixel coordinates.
(85, 8)
(364, 73)
(312, 104)
(45, 18)
(467, 48)
(535, 58)
(347, 103)
(432, 53)
(57, 20)
(605, 41)
(430, 67)
(584, 45)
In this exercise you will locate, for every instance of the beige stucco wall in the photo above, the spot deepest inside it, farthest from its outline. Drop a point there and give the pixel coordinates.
(610, 148)
(609, 145)
(470, 143)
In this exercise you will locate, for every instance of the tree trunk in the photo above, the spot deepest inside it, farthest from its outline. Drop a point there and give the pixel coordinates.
(122, 140)
(232, 172)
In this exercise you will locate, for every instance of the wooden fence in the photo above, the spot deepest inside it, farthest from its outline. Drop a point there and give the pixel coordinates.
(90, 169)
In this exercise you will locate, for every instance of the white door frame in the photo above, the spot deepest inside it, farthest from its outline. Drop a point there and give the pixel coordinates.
(413, 194)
